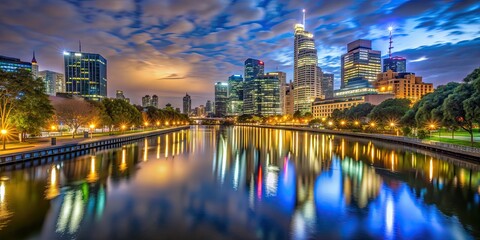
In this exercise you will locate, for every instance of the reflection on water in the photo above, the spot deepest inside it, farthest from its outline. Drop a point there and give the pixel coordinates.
(244, 183)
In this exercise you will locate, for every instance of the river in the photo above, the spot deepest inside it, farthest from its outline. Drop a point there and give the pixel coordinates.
(212, 182)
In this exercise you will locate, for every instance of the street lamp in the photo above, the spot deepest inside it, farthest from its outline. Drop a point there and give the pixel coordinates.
(432, 127)
(342, 123)
(53, 128)
(92, 126)
(4, 133)
(330, 123)
(356, 123)
(123, 128)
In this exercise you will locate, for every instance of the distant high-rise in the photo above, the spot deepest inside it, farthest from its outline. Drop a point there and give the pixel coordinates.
(86, 74)
(264, 96)
(119, 95)
(54, 82)
(208, 107)
(327, 85)
(396, 64)
(306, 78)
(146, 101)
(253, 68)
(288, 107)
(9, 64)
(154, 101)
(282, 77)
(34, 66)
(187, 104)
(221, 98)
(360, 62)
(235, 95)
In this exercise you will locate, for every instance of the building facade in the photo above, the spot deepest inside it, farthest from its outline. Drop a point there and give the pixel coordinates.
(282, 77)
(288, 107)
(327, 85)
(146, 101)
(187, 104)
(323, 108)
(235, 95)
(208, 107)
(360, 62)
(54, 82)
(253, 68)
(34, 67)
(306, 77)
(396, 64)
(154, 101)
(119, 95)
(403, 85)
(86, 75)
(221, 98)
(264, 96)
(9, 64)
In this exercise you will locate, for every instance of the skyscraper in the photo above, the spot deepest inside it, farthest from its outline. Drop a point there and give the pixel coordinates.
(282, 77)
(396, 64)
(305, 80)
(253, 68)
(360, 62)
(34, 66)
(264, 96)
(86, 74)
(154, 102)
(119, 95)
(9, 64)
(146, 101)
(327, 85)
(208, 107)
(54, 82)
(235, 95)
(221, 98)
(187, 104)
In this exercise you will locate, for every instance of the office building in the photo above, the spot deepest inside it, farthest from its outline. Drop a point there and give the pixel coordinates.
(264, 96)
(235, 95)
(86, 75)
(221, 98)
(187, 104)
(154, 101)
(288, 105)
(54, 82)
(34, 66)
(360, 62)
(9, 64)
(119, 95)
(253, 68)
(208, 107)
(306, 77)
(282, 77)
(146, 101)
(403, 85)
(396, 64)
(327, 85)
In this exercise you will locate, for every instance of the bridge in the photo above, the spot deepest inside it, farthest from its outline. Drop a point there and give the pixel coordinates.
(199, 120)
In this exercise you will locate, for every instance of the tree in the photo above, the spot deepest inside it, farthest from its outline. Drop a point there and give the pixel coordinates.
(359, 112)
(297, 114)
(121, 113)
(23, 103)
(74, 112)
(472, 104)
(390, 110)
(454, 108)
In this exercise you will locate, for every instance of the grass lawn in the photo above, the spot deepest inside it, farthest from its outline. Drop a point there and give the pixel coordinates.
(453, 141)
(462, 133)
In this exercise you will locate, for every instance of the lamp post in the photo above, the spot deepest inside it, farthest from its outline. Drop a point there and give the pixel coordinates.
(92, 126)
(123, 128)
(392, 124)
(53, 128)
(4, 133)
(432, 127)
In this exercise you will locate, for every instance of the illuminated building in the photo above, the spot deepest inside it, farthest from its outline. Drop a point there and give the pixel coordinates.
(360, 62)
(208, 107)
(86, 75)
(187, 104)
(9, 64)
(146, 101)
(235, 95)
(323, 108)
(119, 95)
(54, 82)
(396, 64)
(221, 98)
(253, 68)
(327, 85)
(34, 66)
(306, 77)
(288, 107)
(403, 85)
(282, 77)
(264, 96)
(154, 101)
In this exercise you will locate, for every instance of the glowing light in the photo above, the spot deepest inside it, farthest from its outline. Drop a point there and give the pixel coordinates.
(423, 58)
(3, 131)
(330, 123)
(356, 122)
(390, 28)
(78, 54)
(2, 192)
(66, 53)
(92, 126)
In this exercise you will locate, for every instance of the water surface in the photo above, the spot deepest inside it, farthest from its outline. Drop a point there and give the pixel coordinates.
(244, 183)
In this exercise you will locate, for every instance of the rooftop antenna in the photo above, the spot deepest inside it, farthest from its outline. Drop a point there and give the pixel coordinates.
(79, 46)
(303, 11)
(390, 47)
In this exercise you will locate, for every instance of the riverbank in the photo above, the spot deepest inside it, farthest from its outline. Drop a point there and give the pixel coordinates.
(470, 153)
(75, 147)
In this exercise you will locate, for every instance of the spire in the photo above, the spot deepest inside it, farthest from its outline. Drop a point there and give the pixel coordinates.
(79, 46)
(33, 59)
(303, 18)
(390, 46)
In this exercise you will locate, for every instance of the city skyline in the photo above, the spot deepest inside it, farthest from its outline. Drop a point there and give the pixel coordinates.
(189, 47)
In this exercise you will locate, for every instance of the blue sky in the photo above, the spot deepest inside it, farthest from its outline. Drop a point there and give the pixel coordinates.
(169, 47)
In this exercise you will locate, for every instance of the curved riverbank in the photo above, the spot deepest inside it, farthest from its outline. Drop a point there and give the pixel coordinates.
(44, 154)
(468, 153)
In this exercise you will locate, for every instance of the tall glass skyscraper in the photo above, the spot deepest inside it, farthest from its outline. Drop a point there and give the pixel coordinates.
(253, 68)
(396, 64)
(327, 85)
(9, 64)
(264, 96)
(86, 75)
(221, 98)
(235, 95)
(306, 80)
(187, 104)
(54, 82)
(360, 62)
